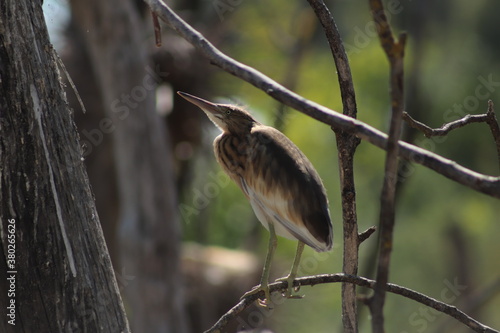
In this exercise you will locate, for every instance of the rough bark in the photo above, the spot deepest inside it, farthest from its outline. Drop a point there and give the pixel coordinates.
(346, 146)
(64, 281)
(99, 159)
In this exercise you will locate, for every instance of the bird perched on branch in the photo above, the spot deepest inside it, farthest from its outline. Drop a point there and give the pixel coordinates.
(284, 189)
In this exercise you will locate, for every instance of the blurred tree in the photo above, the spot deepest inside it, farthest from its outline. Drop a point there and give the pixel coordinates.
(113, 36)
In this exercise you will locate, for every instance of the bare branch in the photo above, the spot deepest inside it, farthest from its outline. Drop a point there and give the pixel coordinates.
(446, 128)
(157, 28)
(474, 180)
(339, 55)
(346, 146)
(493, 123)
(281, 286)
(488, 118)
(235, 311)
(394, 50)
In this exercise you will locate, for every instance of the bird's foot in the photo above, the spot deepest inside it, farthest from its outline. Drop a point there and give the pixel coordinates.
(290, 290)
(266, 301)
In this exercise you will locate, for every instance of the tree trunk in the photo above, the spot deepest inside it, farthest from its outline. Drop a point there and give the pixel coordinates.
(115, 37)
(56, 275)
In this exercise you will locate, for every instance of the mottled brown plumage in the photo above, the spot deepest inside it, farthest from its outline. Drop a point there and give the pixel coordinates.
(284, 189)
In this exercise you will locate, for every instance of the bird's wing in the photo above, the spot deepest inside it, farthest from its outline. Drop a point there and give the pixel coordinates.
(281, 182)
(275, 209)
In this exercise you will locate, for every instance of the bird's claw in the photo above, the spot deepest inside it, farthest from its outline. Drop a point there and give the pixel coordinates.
(266, 301)
(288, 294)
(291, 289)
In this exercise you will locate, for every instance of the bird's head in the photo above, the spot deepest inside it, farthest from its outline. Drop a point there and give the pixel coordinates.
(229, 118)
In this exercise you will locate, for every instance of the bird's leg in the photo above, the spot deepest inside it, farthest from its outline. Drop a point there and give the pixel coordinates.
(293, 273)
(264, 281)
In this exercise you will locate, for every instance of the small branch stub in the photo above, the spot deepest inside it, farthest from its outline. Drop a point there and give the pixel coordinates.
(366, 234)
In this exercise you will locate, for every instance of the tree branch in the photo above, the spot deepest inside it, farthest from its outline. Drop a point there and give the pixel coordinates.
(488, 118)
(450, 169)
(346, 146)
(446, 128)
(394, 50)
(281, 286)
(494, 128)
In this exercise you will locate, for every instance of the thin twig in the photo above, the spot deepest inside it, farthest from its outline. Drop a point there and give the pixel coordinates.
(489, 118)
(446, 128)
(157, 28)
(281, 286)
(346, 146)
(339, 55)
(485, 184)
(394, 50)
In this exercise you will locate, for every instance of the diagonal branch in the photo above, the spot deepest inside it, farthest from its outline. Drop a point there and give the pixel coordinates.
(394, 50)
(448, 168)
(281, 286)
(346, 146)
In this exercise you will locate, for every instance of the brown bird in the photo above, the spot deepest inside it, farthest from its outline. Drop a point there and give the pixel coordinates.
(284, 189)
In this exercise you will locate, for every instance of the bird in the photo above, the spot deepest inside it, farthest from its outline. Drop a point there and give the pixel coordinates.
(281, 184)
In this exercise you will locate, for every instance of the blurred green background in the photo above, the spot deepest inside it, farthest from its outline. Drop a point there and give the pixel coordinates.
(446, 239)
(446, 234)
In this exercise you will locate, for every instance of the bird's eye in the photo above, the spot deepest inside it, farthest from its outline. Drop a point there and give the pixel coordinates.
(228, 111)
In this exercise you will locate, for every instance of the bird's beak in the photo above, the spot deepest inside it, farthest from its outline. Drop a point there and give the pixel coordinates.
(209, 107)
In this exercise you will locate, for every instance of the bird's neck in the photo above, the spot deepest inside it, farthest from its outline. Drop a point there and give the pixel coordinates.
(240, 131)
